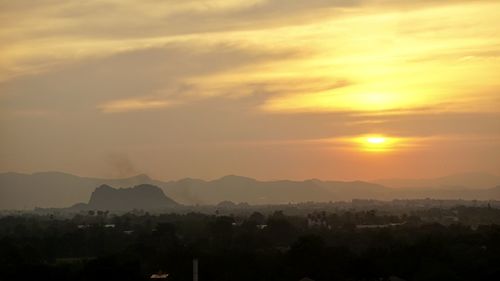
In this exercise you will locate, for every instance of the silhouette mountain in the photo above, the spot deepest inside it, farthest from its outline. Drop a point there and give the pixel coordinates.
(144, 196)
(54, 189)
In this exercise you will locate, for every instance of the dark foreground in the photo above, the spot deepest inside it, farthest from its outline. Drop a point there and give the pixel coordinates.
(462, 243)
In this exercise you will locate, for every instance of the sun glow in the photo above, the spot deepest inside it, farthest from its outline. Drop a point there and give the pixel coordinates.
(377, 143)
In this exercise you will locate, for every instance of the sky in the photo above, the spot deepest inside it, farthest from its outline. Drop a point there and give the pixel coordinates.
(271, 89)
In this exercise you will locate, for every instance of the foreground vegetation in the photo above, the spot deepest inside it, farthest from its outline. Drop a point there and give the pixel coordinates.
(344, 245)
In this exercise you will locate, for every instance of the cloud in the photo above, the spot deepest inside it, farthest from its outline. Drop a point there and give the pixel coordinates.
(144, 78)
(128, 105)
(129, 19)
(25, 20)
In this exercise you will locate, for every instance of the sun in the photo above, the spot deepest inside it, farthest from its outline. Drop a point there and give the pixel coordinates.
(376, 140)
(376, 143)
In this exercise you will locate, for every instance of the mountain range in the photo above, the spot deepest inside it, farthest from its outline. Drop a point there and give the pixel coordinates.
(55, 189)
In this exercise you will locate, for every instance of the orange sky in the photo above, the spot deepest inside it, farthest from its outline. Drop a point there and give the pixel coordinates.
(270, 89)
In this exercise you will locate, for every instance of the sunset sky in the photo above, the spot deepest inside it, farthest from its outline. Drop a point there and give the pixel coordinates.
(271, 89)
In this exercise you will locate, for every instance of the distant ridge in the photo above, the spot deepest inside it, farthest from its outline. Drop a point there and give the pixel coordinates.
(470, 180)
(59, 190)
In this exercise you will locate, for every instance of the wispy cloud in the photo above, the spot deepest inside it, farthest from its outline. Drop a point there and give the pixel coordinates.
(127, 105)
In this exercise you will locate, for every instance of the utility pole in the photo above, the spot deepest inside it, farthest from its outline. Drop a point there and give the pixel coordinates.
(195, 269)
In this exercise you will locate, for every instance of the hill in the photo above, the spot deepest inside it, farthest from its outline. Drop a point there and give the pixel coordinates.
(142, 196)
